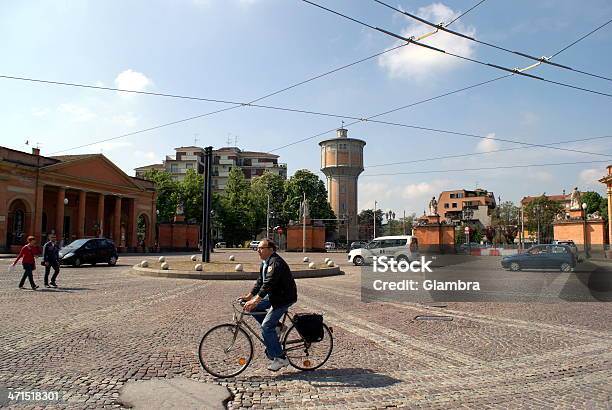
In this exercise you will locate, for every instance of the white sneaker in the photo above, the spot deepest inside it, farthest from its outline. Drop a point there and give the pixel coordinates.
(278, 363)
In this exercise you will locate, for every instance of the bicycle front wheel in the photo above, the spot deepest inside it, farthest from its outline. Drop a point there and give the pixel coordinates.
(225, 350)
(304, 355)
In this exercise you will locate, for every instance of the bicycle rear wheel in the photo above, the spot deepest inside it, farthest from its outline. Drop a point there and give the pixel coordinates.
(304, 355)
(225, 350)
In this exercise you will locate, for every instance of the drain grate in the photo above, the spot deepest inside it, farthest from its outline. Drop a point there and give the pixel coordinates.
(433, 317)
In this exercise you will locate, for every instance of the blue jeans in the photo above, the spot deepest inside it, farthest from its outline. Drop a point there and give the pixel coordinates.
(268, 326)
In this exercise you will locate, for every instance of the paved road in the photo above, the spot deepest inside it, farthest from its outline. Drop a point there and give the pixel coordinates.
(105, 327)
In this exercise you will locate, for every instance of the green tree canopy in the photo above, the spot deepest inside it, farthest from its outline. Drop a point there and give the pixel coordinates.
(595, 202)
(236, 214)
(304, 181)
(540, 212)
(190, 193)
(167, 193)
(262, 186)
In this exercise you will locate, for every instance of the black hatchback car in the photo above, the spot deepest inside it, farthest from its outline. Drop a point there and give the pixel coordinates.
(92, 251)
(542, 257)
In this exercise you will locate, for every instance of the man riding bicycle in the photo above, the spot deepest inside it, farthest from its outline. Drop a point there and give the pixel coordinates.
(274, 292)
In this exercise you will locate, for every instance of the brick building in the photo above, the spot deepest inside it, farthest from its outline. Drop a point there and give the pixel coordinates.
(452, 204)
(73, 196)
(252, 163)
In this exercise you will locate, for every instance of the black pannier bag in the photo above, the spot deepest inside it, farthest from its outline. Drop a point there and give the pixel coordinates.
(310, 326)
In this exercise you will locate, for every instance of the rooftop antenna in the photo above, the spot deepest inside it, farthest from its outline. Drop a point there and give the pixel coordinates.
(229, 140)
(236, 141)
(342, 124)
(195, 139)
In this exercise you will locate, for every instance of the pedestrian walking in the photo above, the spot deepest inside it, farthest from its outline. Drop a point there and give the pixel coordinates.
(28, 253)
(51, 260)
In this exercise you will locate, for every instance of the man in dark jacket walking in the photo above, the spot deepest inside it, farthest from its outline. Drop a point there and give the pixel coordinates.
(273, 293)
(51, 260)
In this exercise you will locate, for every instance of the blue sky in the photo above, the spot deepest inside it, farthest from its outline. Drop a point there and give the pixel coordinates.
(242, 49)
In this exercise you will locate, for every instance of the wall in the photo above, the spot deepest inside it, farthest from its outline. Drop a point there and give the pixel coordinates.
(178, 236)
(435, 238)
(315, 238)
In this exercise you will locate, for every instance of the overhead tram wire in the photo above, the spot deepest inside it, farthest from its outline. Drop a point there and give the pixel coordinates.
(439, 50)
(237, 105)
(436, 171)
(442, 95)
(525, 55)
(471, 154)
(465, 12)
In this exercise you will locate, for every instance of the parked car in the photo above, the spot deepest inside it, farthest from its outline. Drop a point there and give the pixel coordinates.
(542, 257)
(92, 251)
(569, 243)
(220, 245)
(400, 248)
(358, 245)
(465, 247)
(330, 245)
(254, 244)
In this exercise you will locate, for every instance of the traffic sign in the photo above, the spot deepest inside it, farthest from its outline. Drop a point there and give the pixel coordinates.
(467, 230)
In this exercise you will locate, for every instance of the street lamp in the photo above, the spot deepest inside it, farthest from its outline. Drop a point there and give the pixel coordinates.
(584, 218)
(65, 201)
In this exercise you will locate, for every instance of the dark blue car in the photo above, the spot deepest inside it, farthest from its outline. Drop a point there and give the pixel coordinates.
(542, 257)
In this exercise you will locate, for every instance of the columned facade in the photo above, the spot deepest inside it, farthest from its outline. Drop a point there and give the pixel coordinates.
(73, 197)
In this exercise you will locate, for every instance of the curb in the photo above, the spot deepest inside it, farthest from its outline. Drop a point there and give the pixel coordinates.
(298, 274)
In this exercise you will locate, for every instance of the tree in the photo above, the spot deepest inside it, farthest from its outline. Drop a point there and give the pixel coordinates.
(304, 181)
(190, 192)
(262, 186)
(236, 216)
(541, 212)
(595, 202)
(504, 223)
(167, 194)
(366, 223)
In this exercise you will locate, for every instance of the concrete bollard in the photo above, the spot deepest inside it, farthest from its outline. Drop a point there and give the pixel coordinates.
(238, 268)
(306, 260)
(198, 267)
(144, 264)
(165, 266)
(194, 258)
(330, 263)
(327, 260)
(162, 259)
(312, 265)
(232, 258)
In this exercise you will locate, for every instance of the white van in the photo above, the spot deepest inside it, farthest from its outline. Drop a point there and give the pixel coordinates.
(400, 248)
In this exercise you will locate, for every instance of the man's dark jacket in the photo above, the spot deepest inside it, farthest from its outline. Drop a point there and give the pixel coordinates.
(279, 283)
(51, 253)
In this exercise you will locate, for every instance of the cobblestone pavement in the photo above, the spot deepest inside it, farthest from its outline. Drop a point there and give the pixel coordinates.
(105, 327)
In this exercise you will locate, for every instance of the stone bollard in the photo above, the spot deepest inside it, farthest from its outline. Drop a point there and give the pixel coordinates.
(238, 268)
(312, 265)
(330, 263)
(165, 266)
(327, 260)
(194, 258)
(162, 259)
(306, 260)
(232, 258)
(198, 267)
(144, 264)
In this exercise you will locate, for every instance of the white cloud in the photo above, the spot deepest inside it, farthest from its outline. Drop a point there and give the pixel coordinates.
(419, 63)
(110, 145)
(395, 196)
(486, 145)
(150, 155)
(40, 112)
(589, 178)
(132, 80)
(127, 119)
(76, 112)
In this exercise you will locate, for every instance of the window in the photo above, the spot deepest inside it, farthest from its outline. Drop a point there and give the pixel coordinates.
(174, 168)
(374, 245)
(446, 205)
(559, 249)
(453, 195)
(387, 243)
(537, 250)
(460, 195)
(189, 165)
(454, 204)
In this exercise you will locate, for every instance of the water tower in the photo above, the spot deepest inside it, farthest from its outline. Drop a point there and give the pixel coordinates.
(342, 162)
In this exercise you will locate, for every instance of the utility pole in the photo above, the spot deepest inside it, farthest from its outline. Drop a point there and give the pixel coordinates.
(206, 205)
(404, 223)
(268, 219)
(304, 224)
(374, 220)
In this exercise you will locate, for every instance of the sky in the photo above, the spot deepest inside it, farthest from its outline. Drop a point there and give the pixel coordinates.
(240, 50)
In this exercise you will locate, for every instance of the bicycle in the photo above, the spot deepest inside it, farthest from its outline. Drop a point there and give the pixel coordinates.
(226, 350)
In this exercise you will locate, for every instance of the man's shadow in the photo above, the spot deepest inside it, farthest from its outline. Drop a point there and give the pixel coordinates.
(349, 377)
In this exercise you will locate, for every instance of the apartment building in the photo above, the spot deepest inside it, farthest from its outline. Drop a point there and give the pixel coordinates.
(251, 163)
(463, 205)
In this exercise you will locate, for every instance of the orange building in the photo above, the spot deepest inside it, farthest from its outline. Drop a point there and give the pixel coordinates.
(451, 205)
(73, 196)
